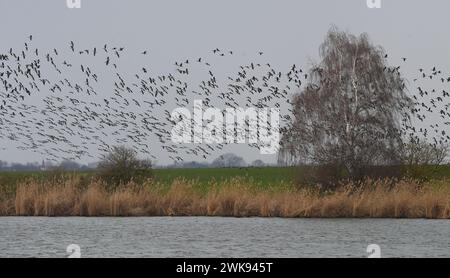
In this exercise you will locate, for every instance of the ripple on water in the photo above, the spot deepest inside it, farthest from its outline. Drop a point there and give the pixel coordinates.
(222, 237)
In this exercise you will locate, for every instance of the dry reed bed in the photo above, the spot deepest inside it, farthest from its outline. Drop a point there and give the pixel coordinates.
(237, 198)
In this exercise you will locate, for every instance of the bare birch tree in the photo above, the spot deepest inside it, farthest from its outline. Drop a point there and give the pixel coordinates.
(349, 115)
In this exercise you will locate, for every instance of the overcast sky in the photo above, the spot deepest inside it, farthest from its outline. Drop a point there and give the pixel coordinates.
(288, 31)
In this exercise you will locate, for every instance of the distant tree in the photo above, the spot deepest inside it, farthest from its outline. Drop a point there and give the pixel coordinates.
(121, 165)
(190, 164)
(93, 165)
(258, 163)
(84, 168)
(3, 165)
(350, 114)
(25, 167)
(69, 165)
(228, 160)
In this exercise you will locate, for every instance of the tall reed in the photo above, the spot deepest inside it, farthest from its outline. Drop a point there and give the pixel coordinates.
(236, 198)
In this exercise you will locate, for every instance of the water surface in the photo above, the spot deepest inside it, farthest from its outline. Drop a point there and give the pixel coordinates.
(222, 237)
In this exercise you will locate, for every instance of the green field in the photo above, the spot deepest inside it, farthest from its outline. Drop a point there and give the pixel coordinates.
(262, 176)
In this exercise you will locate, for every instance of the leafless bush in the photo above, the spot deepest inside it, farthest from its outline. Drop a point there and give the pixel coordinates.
(121, 165)
(423, 159)
(420, 152)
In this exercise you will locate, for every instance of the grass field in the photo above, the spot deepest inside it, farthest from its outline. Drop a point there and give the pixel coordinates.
(265, 176)
(262, 175)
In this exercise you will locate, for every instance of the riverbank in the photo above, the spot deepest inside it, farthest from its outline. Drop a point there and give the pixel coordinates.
(234, 198)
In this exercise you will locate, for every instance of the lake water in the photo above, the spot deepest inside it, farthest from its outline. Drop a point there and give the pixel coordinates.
(222, 237)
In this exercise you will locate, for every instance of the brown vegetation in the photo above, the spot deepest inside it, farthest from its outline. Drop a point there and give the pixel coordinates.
(237, 198)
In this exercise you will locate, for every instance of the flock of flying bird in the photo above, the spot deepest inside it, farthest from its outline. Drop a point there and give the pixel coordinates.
(65, 108)
(431, 107)
(53, 106)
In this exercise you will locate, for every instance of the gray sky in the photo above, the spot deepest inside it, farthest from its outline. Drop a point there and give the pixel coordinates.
(288, 31)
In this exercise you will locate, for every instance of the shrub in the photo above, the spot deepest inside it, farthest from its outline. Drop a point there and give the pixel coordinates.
(121, 166)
